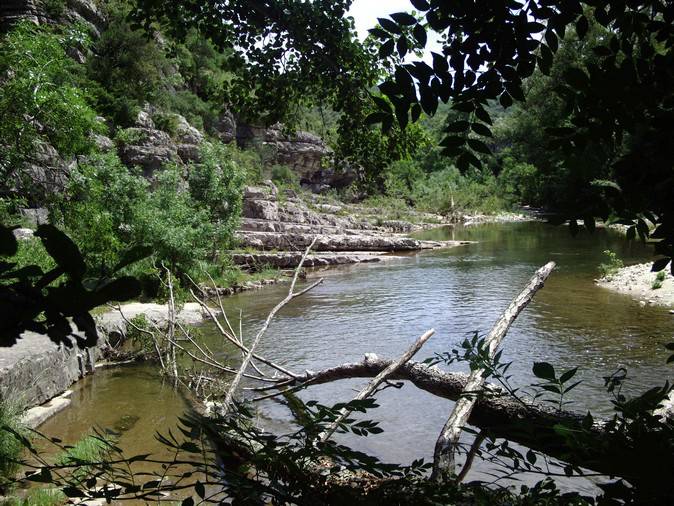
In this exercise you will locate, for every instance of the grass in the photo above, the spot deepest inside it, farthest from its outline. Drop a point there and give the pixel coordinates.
(10, 446)
(38, 497)
(86, 451)
(659, 279)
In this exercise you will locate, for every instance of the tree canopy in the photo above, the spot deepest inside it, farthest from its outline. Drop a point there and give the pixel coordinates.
(619, 103)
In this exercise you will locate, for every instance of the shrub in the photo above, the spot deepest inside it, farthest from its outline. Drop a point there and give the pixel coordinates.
(178, 230)
(100, 208)
(659, 279)
(284, 175)
(167, 122)
(611, 266)
(216, 184)
(127, 136)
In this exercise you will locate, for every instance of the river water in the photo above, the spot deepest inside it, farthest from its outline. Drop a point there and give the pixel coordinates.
(382, 308)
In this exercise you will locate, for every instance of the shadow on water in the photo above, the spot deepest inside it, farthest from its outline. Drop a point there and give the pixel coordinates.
(382, 308)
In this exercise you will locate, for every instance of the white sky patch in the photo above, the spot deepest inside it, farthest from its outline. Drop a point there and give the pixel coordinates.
(366, 12)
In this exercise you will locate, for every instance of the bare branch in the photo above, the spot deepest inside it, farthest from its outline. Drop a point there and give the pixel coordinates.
(378, 380)
(249, 356)
(444, 454)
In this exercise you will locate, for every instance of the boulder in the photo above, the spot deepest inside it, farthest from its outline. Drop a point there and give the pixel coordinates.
(260, 209)
(153, 149)
(225, 127)
(103, 142)
(35, 216)
(23, 234)
(186, 133)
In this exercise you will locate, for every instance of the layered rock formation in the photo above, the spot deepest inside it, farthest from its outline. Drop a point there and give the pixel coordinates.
(86, 12)
(281, 226)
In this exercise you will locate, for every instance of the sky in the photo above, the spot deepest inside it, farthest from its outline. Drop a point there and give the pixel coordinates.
(366, 12)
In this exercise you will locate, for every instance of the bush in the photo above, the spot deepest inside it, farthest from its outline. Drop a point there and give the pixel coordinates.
(216, 186)
(167, 122)
(659, 279)
(127, 136)
(284, 175)
(178, 230)
(100, 209)
(611, 266)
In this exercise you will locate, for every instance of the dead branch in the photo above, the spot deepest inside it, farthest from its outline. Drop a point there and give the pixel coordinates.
(378, 380)
(249, 356)
(445, 447)
(235, 341)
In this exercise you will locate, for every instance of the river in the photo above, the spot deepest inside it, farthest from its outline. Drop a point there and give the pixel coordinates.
(382, 308)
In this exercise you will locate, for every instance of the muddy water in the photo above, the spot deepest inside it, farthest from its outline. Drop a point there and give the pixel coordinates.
(381, 308)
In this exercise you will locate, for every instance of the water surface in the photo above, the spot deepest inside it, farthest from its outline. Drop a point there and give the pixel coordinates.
(382, 308)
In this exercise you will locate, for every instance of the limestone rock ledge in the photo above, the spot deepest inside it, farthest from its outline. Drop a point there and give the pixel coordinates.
(279, 226)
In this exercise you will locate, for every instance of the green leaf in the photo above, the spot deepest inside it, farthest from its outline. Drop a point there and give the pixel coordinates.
(422, 5)
(544, 371)
(389, 25)
(568, 375)
(576, 78)
(133, 255)
(378, 32)
(376, 117)
(387, 48)
(8, 244)
(481, 129)
(506, 100)
(479, 146)
(187, 502)
(582, 27)
(483, 116)
(420, 35)
(120, 290)
(404, 18)
(63, 250)
(458, 126)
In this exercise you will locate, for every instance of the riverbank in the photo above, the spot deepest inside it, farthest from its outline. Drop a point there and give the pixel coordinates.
(640, 283)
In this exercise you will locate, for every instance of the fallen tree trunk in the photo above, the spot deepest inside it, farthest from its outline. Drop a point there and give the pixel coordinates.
(495, 410)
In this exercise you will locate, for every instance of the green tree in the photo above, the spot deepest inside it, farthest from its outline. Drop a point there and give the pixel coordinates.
(619, 105)
(40, 101)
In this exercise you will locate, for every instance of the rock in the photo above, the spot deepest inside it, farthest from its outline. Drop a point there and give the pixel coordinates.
(305, 153)
(336, 242)
(189, 152)
(36, 216)
(291, 259)
(261, 209)
(186, 133)
(151, 151)
(225, 127)
(40, 369)
(103, 142)
(642, 303)
(144, 120)
(23, 234)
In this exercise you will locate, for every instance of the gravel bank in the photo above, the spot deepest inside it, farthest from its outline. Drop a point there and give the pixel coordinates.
(637, 281)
